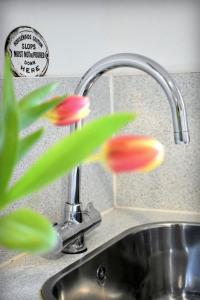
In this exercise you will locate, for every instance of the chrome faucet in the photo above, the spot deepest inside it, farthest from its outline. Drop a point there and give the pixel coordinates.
(77, 221)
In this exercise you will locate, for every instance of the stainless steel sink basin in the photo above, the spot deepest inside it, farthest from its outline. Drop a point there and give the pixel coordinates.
(156, 261)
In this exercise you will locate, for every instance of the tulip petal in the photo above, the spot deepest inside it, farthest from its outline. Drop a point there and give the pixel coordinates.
(132, 153)
(71, 110)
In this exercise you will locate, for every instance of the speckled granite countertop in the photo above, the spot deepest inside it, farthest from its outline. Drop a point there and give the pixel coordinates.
(22, 278)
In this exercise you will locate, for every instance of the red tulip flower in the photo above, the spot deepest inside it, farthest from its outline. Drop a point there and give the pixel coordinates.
(131, 153)
(72, 109)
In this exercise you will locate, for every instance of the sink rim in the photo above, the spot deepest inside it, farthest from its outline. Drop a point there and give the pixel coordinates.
(47, 287)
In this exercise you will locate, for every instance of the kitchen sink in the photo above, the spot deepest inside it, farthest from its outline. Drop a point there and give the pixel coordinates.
(154, 261)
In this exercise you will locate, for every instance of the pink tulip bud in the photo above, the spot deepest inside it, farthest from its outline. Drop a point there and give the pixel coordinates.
(70, 110)
(132, 153)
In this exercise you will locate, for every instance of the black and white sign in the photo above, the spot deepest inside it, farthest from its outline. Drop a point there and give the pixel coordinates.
(28, 51)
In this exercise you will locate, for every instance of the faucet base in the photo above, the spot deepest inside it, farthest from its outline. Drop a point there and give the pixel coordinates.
(76, 246)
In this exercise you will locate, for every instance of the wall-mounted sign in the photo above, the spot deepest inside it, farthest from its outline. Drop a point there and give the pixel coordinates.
(28, 51)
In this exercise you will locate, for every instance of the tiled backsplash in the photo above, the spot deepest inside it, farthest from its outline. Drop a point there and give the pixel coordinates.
(175, 185)
(50, 201)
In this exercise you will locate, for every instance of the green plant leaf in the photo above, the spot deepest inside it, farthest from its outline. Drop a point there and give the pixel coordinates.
(37, 96)
(9, 127)
(65, 154)
(26, 230)
(30, 115)
(26, 143)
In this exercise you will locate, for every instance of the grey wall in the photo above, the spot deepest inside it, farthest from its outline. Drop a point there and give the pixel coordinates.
(86, 31)
(174, 186)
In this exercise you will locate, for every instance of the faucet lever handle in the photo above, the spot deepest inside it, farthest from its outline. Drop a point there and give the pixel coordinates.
(71, 233)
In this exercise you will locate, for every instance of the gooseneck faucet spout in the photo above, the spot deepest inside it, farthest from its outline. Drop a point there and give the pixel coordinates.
(74, 214)
(179, 117)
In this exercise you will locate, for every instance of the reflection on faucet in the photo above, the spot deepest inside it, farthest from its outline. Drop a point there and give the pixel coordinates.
(77, 220)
